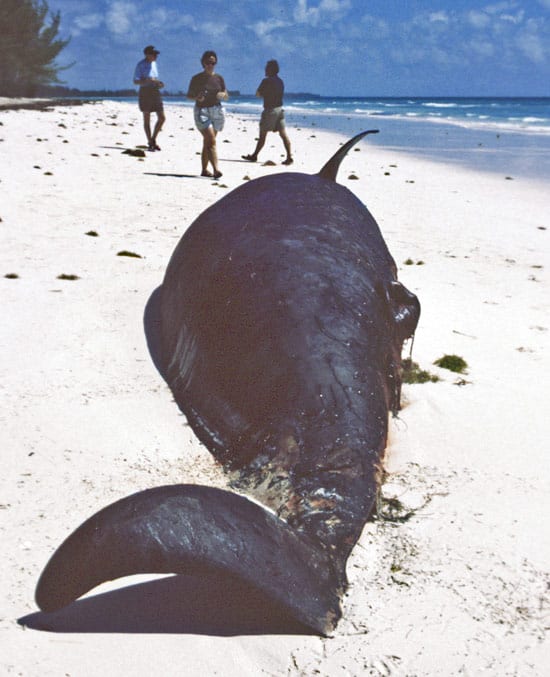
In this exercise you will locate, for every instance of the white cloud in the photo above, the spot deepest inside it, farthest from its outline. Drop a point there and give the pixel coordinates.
(500, 32)
(86, 22)
(439, 17)
(305, 14)
(513, 18)
(545, 3)
(159, 17)
(411, 55)
(121, 17)
(482, 48)
(370, 25)
(532, 47)
(313, 15)
(335, 6)
(478, 19)
(215, 29)
(89, 21)
(501, 7)
(530, 43)
(264, 28)
(184, 21)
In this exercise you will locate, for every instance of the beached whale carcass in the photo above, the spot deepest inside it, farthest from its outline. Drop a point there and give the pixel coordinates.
(282, 324)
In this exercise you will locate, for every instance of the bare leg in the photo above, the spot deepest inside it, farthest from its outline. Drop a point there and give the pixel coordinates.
(147, 126)
(209, 151)
(286, 142)
(158, 126)
(260, 144)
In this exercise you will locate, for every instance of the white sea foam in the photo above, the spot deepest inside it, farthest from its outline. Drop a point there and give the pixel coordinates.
(532, 119)
(470, 115)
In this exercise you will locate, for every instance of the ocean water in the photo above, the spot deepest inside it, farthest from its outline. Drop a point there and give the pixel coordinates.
(510, 136)
(520, 115)
(506, 135)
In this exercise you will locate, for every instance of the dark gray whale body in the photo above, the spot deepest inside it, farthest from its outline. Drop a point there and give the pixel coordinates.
(282, 324)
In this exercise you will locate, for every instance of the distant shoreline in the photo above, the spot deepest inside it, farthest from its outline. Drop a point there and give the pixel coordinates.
(18, 103)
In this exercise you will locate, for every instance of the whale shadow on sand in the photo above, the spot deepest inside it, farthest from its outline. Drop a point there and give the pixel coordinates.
(218, 605)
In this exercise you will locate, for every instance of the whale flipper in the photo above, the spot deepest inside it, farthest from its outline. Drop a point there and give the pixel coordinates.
(192, 529)
(330, 169)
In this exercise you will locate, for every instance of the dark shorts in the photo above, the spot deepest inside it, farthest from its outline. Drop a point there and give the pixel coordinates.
(272, 120)
(150, 100)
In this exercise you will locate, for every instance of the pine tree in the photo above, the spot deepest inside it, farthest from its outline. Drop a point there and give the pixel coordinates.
(29, 45)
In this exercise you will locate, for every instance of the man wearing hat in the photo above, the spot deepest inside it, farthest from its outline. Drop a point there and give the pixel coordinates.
(150, 101)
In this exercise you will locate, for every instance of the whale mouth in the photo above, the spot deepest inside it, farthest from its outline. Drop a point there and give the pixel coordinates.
(193, 529)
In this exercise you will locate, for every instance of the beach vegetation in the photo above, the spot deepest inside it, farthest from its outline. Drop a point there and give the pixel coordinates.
(452, 363)
(132, 255)
(412, 373)
(134, 152)
(393, 510)
(30, 46)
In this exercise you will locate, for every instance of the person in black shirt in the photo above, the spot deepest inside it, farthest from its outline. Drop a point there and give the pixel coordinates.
(271, 89)
(208, 90)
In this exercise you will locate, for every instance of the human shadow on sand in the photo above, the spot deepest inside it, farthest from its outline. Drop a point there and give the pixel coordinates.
(218, 605)
(174, 176)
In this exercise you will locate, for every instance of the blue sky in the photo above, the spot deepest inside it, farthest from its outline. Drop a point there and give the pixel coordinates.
(328, 47)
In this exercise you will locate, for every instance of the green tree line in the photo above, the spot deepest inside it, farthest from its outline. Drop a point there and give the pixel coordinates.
(30, 46)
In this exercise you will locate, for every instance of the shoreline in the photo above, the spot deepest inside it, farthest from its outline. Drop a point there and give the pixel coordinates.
(87, 418)
(27, 103)
(525, 157)
(490, 146)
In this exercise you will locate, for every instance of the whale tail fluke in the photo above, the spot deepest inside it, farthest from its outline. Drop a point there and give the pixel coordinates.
(330, 169)
(192, 529)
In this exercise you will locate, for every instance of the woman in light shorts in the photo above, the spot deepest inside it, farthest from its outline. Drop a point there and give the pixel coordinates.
(208, 90)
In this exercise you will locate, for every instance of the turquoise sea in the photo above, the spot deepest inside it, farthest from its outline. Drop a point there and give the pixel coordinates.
(506, 135)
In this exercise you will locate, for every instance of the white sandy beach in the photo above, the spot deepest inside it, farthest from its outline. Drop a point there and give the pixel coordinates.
(458, 589)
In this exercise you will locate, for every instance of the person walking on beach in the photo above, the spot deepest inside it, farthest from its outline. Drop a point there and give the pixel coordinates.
(208, 90)
(150, 101)
(271, 89)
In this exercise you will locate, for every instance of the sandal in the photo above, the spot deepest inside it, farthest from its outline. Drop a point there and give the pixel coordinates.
(217, 174)
(250, 158)
(288, 161)
(205, 172)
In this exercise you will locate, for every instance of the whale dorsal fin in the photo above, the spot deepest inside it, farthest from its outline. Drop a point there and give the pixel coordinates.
(330, 170)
